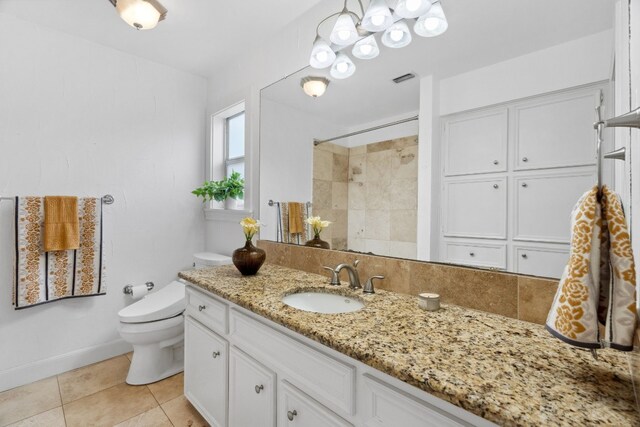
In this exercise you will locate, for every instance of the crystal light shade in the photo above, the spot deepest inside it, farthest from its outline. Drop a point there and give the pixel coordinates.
(344, 32)
(378, 17)
(322, 55)
(397, 35)
(141, 14)
(367, 48)
(433, 23)
(343, 67)
(314, 86)
(412, 8)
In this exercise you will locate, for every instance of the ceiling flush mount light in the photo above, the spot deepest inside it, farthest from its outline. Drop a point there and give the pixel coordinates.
(140, 14)
(343, 67)
(314, 86)
(350, 29)
(433, 23)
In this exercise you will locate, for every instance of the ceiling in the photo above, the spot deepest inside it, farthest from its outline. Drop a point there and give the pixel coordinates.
(480, 33)
(198, 36)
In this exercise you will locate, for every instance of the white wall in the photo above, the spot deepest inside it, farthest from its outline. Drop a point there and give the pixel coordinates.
(578, 62)
(78, 118)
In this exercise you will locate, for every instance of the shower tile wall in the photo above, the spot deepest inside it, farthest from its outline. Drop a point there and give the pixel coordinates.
(330, 191)
(383, 188)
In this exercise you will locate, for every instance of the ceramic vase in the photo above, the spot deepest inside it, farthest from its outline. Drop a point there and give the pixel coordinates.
(317, 242)
(248, 259)
(230, 203)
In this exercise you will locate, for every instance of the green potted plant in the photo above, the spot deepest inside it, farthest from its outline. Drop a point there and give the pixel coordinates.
(228, 190)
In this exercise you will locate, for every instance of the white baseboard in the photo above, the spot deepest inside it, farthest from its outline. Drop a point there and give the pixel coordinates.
(41, 369)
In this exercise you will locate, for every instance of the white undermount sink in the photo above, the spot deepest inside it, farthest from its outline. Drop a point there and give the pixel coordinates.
(322, 302)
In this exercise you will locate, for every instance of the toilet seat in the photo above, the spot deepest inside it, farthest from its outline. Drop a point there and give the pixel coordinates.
(166, 303)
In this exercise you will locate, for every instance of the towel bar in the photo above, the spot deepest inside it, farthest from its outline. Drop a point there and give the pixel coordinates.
(107, 199)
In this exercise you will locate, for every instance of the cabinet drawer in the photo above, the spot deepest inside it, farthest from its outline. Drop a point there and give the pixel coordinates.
(207, 310)
(389, 407)
(543, 205)
(476, 143)
(475, 208)
(479, 254)
(326, 379)
(297, 409)
(252, 392)
(546, 262)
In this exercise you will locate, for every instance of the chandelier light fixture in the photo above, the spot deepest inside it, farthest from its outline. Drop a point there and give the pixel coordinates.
(360, 31)
(140, 14)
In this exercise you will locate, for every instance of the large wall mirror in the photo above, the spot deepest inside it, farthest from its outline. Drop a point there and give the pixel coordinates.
(468, 148)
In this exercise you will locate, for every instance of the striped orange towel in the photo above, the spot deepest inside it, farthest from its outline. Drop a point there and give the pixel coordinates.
(295, 218)
(61, 223)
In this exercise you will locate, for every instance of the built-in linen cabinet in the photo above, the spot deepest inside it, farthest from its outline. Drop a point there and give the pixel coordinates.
(257, 373)
(492, 216)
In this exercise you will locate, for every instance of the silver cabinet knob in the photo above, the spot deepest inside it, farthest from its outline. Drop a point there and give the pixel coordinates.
(495, 162)
(496, 186)
(292, 414)
(524, 159)
(472, 254)
(259, 388)
(524, 185)
(215, 354)
(201, 307)
(524, 256)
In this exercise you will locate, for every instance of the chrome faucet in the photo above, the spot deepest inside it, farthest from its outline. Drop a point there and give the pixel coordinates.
(354, 277)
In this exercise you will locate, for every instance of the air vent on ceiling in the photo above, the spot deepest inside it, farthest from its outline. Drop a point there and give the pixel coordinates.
(404, 78)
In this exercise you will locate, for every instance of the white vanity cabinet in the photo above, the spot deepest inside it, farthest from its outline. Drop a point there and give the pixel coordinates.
(267, 375)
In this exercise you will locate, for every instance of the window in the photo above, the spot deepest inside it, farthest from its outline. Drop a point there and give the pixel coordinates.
(234, 144)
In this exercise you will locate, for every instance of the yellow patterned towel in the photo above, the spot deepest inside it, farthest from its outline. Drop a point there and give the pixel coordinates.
(61, 224)
(598, 283)
(296, 222)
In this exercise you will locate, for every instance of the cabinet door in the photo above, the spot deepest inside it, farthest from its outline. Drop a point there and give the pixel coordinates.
(205, 372)
(296, 409)
(545, 262)
(555, 131)
(475, 208)
(475, 143)
(543, 205)
(476, 254)
(252, 394)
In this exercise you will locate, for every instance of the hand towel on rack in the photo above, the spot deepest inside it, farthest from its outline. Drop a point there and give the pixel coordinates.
(42, 277)
(598, 283)
(284, 232)
(61, 226)
(296, 220)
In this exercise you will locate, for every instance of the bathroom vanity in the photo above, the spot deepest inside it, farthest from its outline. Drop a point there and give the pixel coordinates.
(252, 360)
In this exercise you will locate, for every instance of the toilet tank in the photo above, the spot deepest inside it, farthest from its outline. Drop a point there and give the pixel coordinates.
(209, 259)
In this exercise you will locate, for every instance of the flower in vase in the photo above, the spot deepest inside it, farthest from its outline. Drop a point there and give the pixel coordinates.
(318, 224)
(250, 227)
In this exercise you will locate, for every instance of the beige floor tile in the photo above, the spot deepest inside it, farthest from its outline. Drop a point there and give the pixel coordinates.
(31, 399)
(91, 379)
(153, 418)
(168, 389)
(182, 414)
(51, 418)
(109, 407)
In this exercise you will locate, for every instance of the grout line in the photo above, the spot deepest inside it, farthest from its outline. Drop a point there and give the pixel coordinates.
(64, 415)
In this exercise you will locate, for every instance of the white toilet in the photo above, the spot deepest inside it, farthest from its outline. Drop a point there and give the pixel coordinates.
(154, 326)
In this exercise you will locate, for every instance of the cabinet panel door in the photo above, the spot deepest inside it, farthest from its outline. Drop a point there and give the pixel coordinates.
(557, 131)
(297, 409)
(546, 262)
(205, 372)
(477, 254)
(476, 143)
(475, 208)
(543, 205)
(252, 393)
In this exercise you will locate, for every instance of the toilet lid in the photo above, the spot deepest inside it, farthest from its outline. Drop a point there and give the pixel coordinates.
(212, 259)
(163, 304)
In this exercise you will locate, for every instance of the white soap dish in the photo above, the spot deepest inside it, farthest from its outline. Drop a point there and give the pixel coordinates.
(429, 302)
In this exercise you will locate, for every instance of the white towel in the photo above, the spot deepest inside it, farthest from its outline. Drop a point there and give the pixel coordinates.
(598, 283)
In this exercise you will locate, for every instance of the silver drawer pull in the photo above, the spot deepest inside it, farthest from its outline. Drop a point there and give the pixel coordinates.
(495, 162)
(496, 186)
(472, 254)
(292, 414)
(201, 307)
(215, 354)
(524, 159)
(524, 256)
(524, 185)
(259, 388)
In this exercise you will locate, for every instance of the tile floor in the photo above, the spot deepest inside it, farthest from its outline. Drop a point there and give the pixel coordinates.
(97, 395)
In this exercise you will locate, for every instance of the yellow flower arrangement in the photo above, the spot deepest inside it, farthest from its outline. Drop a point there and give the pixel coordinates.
(250, 227)
(318, 224)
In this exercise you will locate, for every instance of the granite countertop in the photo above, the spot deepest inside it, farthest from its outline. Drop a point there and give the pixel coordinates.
(508, 371)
